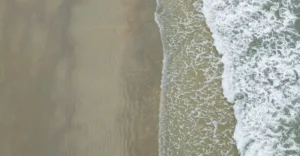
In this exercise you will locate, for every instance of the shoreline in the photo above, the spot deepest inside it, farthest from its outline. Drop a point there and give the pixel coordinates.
(195, 118)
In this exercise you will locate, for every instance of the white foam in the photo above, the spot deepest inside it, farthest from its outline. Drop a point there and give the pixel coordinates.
(194, 120)
(261, 55)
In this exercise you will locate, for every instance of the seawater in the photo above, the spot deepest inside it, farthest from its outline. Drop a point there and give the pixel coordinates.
(260, 46)
(195, 118)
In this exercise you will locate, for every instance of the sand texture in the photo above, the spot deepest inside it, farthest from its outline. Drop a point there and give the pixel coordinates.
(79, 78)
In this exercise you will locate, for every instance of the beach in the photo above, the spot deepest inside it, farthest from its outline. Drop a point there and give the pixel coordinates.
(79, 78)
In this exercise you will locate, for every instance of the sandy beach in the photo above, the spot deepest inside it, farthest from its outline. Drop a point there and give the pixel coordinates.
(79, 78)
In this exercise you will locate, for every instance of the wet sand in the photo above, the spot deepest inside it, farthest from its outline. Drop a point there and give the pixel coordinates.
(79, 78)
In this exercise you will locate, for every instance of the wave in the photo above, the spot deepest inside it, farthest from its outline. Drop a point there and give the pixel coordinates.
(260, 48)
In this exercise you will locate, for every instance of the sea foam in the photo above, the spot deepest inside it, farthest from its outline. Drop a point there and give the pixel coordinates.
(195, 119)
(260, 48)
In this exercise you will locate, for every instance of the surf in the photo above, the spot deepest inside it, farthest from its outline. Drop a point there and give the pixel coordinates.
(259, 44)
(195, 118)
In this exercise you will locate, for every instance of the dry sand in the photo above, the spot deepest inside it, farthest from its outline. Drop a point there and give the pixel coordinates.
(79, 78)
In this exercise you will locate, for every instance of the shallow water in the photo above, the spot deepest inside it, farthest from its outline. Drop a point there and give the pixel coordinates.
(195, 119)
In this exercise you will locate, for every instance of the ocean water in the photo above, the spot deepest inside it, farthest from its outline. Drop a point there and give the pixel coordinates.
(260, 48)
(195, 118)
(255, 67)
